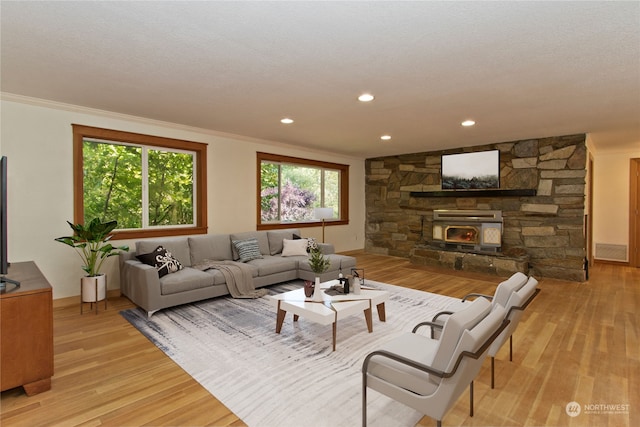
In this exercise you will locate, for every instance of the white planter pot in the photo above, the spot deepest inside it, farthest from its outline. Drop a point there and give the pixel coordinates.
(94, 288)
(317, 292)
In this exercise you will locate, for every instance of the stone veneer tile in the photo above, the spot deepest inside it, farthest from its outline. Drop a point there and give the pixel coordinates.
(544, 187)
(527, 162)
(416, 187)
(546, 241)
(563, 173)
(569, 189)
(378, 177)
(538, 231)
(563, 153)
(539, 208)
(552, 164)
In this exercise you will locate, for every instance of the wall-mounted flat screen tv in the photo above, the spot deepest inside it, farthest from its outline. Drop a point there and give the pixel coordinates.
(471, 171)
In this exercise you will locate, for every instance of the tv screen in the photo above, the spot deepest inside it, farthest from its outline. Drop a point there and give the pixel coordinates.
(471, 171)
(4, 263)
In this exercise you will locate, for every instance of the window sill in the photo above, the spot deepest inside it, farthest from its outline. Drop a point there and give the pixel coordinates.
(306, 224)
(160, 232)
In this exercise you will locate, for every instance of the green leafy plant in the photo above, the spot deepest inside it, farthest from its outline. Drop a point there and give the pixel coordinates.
(318, 262)
(91, 242)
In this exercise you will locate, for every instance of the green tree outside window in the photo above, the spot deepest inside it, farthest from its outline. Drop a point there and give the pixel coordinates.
(118, 179)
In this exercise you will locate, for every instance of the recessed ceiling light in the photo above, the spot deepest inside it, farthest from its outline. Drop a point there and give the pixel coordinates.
(468, 123)
(286, 121)
(366, 97)
(385, 137)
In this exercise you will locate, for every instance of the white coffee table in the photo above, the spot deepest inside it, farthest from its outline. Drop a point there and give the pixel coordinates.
(331, 308)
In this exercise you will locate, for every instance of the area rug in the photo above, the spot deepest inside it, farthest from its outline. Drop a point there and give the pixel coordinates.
(293, 378)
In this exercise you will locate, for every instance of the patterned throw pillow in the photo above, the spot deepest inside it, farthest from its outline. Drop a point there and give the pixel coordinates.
(248, 249)
(312, 244)
(162, 260)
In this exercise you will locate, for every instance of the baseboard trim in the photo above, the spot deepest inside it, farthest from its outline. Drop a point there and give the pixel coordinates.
(606, 261)
(75, 300)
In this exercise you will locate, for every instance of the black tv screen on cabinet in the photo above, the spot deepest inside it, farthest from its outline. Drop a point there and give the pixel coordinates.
(4, 260)
(4, 263)
(471, 171)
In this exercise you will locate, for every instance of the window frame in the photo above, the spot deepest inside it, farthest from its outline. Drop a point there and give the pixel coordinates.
(80, 132)
(344, 191)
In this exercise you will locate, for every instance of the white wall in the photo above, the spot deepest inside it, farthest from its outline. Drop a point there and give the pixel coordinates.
(611, 195)
(37, 139)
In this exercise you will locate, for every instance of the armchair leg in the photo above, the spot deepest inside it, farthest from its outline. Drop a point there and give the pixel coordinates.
(493, 359)
(364, 399)
(471, 399)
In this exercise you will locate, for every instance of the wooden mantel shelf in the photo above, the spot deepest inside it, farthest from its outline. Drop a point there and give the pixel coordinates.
(522, 192)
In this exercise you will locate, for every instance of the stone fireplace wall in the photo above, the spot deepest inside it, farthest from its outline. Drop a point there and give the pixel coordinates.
(546, 228)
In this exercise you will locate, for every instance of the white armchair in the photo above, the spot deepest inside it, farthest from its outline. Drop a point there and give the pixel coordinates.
(430, 374)
(514, 294)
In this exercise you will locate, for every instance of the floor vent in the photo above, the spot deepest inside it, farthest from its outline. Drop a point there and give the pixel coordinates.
(611, 252)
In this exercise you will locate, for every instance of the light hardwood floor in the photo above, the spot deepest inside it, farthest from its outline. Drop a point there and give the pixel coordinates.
(576, 342)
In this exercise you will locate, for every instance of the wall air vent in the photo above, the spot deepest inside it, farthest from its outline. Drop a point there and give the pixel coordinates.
(607, 252)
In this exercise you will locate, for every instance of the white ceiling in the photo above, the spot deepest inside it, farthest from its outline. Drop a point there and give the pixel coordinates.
(520, 69)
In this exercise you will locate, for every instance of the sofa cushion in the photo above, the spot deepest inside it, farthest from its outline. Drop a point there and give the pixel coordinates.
(346, 262)
(260, 236)
(211, 246)
(248, 249)
(294, 247)
(275, 239)
(274, 264)
(162, 260)
(178, 246)
(218, 276)
(187, 279)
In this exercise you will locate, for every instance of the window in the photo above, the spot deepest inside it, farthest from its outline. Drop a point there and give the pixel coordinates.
(152, 186)
(289, 189)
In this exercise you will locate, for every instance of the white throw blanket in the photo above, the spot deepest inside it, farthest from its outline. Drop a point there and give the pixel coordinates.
(238, 276)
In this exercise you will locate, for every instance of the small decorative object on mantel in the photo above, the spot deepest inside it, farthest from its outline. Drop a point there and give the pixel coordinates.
(91, 242)
(319, 264)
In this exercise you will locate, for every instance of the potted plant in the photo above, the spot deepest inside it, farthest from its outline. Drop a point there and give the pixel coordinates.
(91, 242)
(319, 264)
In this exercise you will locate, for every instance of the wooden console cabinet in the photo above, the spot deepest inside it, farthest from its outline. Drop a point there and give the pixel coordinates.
(26, 330)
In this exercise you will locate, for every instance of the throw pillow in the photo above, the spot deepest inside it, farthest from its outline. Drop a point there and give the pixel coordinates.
(294, 247)
(162, 260)
(312, 244)
(247, 249)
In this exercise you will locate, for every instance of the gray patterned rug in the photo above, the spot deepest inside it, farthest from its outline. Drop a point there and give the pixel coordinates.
(292, 378)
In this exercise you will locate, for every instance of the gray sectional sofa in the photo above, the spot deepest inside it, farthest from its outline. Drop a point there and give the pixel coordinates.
(142, 284)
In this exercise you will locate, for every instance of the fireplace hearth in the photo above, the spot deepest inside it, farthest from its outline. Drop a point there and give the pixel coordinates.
(468, 230)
